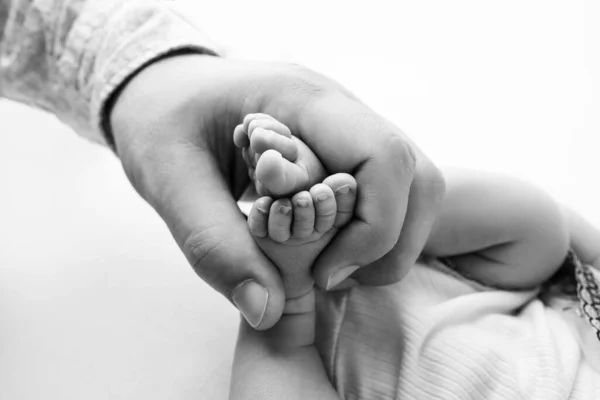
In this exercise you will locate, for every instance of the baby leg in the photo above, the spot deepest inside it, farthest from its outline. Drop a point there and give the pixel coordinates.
(292, 232)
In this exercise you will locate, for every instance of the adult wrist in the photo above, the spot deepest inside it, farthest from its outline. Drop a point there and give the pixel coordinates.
(112, 98)
(140, 33)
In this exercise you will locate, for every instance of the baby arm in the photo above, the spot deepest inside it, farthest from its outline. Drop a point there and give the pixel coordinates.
(499, 230)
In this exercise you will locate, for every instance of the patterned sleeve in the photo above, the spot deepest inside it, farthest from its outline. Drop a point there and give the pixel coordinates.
(69, 56)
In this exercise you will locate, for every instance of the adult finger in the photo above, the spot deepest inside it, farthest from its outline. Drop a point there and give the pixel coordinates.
(184, 184)
(424, 201)
(348, 137)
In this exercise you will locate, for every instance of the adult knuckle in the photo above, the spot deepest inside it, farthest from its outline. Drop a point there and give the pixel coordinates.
(402, 151)
(307, 89)
(302, 81)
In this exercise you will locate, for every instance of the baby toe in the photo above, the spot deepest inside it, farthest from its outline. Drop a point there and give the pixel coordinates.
(267, 139)
(325, 207)
(251, 156)
(260, 189)
(259, 217)
(240, 137)
(246, 157)
(271, 124)
(280, 220)
(248, 119)
(304, 215)
(344, 188)
(279, 176)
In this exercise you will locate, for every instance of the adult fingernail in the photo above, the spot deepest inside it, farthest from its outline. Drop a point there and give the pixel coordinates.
(251, 299)
(339, 275)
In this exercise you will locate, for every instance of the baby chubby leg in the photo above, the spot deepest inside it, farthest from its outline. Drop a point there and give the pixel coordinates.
(292, 232)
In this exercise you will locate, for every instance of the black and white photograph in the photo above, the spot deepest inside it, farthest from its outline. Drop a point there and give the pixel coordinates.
(299, 200)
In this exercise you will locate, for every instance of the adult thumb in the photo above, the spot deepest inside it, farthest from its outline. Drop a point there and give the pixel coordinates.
(185, 185)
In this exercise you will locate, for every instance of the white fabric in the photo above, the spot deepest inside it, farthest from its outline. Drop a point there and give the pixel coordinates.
(435, 335)
(70, 56)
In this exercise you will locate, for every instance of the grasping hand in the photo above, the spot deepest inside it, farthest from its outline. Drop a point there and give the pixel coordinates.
(172, 126)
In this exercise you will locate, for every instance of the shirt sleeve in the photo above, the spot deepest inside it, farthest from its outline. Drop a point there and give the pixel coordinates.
(69, 56)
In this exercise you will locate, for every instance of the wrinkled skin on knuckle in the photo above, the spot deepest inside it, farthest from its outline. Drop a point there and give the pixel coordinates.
(301, 92)
(371, 124)
(306, 89)
(324, 81)
(295, 87)
(402, 152)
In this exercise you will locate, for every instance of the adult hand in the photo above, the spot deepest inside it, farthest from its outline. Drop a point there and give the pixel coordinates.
(173, 125)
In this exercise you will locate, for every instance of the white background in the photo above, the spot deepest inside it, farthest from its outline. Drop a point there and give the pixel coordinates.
(96, 300)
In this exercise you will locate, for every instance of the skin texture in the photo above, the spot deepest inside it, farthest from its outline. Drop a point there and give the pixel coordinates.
(499, 230)
(292, 232)
(494, 228)
(172, 127)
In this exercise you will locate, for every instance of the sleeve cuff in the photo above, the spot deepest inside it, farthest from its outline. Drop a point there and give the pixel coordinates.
(141, 36)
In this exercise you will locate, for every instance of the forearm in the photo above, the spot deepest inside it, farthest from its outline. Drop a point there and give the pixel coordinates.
(70, 56)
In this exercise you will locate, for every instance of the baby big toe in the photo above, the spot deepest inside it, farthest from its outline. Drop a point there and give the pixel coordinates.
(249, 118)
(304, 215)
(280, 220)
(344, 187)
(259, 217)
(325, 207)
(253, 121)
(279, 176)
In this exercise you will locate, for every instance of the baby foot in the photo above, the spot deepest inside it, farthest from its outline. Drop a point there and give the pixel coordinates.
(292, 232)
(278, 163)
